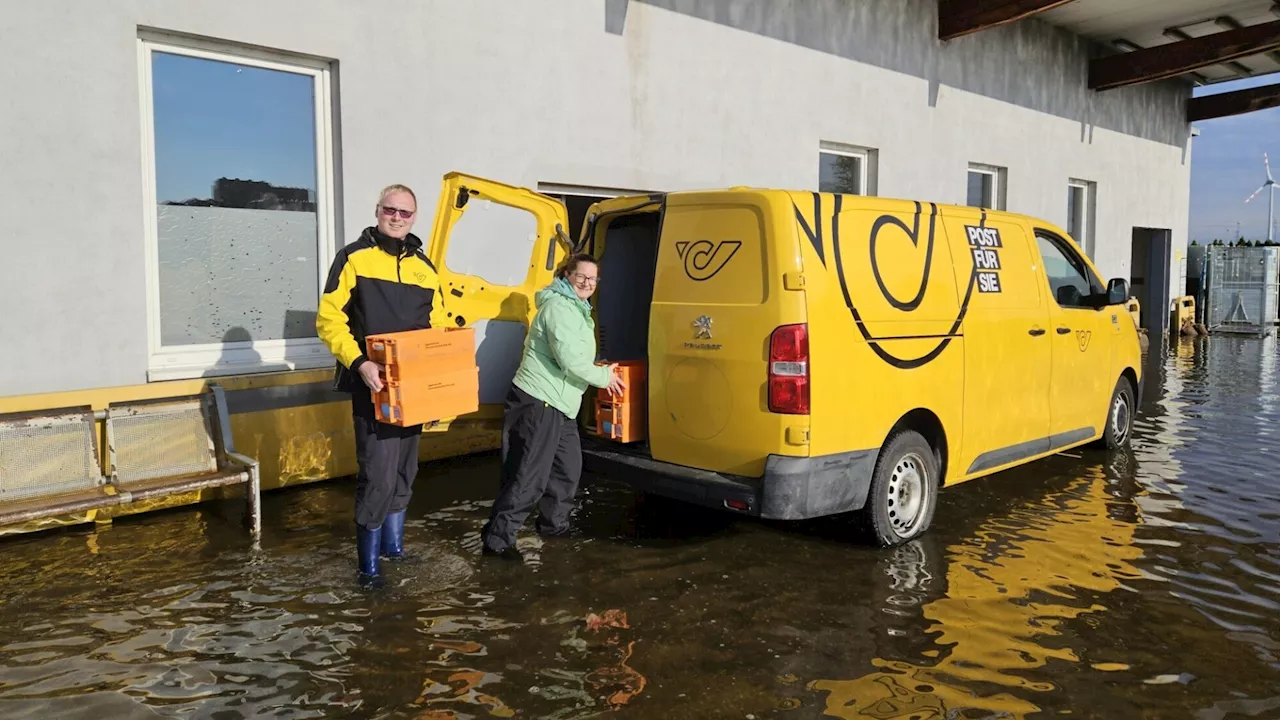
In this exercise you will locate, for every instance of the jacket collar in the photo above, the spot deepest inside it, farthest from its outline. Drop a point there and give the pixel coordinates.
(391, 246)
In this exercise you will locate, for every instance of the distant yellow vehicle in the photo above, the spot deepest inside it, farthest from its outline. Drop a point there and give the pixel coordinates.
(812, 354)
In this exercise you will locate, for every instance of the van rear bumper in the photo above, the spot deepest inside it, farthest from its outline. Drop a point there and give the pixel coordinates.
(791, 488)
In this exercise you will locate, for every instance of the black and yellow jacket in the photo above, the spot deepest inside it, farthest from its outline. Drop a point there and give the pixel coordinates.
(376, 285)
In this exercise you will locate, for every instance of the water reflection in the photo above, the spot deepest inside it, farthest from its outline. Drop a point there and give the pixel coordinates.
(1141, 583)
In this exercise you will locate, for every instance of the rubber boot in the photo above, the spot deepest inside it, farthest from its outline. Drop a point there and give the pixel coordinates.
(368, 542)
(393, 537)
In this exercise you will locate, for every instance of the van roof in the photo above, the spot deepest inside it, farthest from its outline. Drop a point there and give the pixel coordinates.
(950, 208)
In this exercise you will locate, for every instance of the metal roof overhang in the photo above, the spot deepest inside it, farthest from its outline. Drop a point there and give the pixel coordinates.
(1204, 41)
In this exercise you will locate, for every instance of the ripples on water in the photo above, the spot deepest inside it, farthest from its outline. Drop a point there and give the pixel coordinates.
(1143, 584)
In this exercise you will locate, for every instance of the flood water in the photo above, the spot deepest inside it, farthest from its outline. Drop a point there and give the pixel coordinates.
(1139, 585)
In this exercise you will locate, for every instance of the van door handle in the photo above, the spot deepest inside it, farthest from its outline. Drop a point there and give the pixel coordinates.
(1063, 331)
(1036, 332)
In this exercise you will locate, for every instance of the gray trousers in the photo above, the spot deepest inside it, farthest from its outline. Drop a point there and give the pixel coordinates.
(541, 466)
(388, 461)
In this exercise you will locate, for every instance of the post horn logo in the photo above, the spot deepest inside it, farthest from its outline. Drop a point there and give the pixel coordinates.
(1082, 339)
(703, 259)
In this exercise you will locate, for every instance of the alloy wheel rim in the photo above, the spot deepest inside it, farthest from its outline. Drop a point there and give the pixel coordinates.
(908, 485)
(1120, 419)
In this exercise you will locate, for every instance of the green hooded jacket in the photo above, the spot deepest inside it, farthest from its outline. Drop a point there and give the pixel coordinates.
(560, 350)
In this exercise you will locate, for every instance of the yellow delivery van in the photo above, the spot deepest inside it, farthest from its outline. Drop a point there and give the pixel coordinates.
(810, 354)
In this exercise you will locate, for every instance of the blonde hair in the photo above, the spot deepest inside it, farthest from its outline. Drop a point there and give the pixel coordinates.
(395, 189)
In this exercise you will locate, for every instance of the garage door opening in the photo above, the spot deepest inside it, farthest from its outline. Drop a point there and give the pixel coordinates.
(1149, 277)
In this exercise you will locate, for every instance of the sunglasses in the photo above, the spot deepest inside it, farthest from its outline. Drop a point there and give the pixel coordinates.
(392, 212)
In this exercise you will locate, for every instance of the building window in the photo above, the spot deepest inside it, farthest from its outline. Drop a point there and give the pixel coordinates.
(986, 187)
(1081, 195)
(846, 169)
(237, 166)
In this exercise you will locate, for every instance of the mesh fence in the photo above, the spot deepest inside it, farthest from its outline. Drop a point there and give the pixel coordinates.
(48, 455)
(1244, 289)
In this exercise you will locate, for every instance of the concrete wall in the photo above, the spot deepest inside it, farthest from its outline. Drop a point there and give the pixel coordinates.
(661, 94)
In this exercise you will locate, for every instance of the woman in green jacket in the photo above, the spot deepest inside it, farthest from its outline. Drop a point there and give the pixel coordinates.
(541, 452)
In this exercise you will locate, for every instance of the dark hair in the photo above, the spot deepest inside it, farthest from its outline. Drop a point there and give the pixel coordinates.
(572, 262)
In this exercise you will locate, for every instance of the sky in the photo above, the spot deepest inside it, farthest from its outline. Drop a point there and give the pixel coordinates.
(1226, 168)
(215, 119)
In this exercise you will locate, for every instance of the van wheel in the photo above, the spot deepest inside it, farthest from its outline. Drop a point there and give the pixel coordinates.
(904, 490)
(1119, 417)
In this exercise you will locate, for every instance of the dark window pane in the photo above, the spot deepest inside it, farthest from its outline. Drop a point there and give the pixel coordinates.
(981, 188)
(839, 174)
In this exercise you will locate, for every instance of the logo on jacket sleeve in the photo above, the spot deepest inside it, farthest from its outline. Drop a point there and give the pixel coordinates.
(704, 259)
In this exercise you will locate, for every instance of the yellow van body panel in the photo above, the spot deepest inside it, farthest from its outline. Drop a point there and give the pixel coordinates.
(718, 295)
(883, 314)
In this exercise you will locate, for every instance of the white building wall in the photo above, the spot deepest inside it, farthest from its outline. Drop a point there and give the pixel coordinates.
(658, 95)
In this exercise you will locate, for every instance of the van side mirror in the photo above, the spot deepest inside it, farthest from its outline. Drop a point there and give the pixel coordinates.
(1117, 291)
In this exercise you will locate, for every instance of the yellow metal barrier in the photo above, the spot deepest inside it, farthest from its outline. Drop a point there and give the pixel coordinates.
(1184, 311)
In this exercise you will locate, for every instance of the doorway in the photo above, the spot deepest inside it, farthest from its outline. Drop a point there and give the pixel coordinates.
(1149, 277)
(578, 199)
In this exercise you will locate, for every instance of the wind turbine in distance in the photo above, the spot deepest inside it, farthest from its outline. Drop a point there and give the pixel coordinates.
(1270, 187)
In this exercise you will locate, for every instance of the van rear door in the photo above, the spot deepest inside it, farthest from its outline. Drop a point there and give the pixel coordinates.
(718, 300)
(494, 246)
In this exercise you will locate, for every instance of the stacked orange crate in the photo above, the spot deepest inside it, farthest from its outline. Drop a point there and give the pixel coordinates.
(428, 375)
(623, 418)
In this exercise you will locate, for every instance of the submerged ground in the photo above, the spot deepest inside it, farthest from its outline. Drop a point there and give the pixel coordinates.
(1143, 584)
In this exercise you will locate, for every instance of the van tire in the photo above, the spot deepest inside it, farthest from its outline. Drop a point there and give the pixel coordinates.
(906, 475)
(1118, 430)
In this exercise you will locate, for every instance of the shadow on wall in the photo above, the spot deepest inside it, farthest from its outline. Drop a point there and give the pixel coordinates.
(902, 36)
(238, 350)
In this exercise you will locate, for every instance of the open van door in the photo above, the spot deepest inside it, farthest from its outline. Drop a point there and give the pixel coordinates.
(628, 227)
(494, 246)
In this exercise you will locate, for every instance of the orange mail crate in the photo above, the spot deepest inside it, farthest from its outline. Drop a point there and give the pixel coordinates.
(624, 422)
(426, 398)
(635, 375)
(427, 375)
(622, 418)
(422, 353)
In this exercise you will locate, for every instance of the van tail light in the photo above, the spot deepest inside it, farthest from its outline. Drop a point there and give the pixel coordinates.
(789, 370)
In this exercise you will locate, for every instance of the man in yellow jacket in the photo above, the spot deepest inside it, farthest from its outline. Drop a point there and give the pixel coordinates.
(381, 283)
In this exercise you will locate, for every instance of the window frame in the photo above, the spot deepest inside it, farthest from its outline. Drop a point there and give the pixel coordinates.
(998, 176)
(1089, 190)
(1096, 288)
(179, 362)
(867, 171)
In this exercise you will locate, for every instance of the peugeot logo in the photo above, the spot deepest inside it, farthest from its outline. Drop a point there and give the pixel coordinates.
(702, 328)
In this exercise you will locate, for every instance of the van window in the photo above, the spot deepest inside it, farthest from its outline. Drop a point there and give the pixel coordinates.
(1070, 280)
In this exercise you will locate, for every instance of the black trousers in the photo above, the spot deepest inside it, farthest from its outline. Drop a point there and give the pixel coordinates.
(388, 461)
(541, 465)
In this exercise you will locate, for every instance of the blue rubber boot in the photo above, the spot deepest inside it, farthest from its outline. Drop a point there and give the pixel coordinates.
(368, 543)
(393, 537)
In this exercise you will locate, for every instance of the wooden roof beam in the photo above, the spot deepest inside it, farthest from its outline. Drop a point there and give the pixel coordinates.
(1226, 22)
(1239, 102)
(962, 17)
(1236, 67)
(1166, 61)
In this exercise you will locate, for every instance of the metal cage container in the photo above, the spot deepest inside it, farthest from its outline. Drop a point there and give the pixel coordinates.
(1243, 290)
